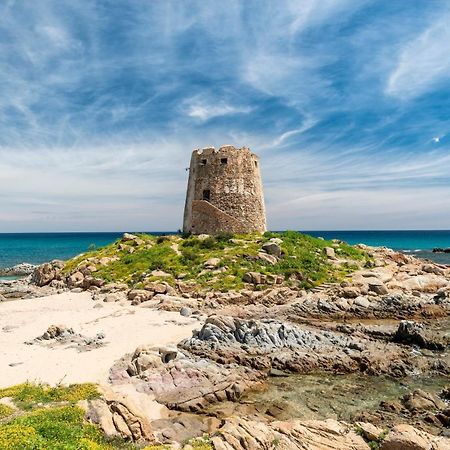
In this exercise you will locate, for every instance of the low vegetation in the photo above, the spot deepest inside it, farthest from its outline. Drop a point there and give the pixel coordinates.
(171, 258)
(47, 418)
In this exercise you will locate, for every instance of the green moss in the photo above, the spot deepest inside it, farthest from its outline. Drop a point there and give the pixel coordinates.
(304, 259)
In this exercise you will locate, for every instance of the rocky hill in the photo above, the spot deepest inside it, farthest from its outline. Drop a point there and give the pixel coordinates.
(206, 263)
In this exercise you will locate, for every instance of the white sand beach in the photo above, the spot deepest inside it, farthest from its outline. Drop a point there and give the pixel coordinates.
(124, 327)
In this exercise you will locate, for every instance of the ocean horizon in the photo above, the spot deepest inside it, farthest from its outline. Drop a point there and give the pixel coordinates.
(37, 248)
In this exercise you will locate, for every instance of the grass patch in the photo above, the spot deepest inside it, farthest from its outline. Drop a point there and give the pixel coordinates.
(27, 395)
(304, 263)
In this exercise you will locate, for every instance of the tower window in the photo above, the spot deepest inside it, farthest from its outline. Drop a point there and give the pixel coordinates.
(256, 163)
(206, 194)
(203, 162)
(224, 161)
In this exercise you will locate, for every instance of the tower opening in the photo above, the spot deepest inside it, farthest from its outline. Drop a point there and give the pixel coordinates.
(203, 162)
(206, 194)
(224, 161)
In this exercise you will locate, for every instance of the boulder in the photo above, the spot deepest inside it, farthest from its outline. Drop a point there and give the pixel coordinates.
(173, 303)
(271, 259)
(350, 292)
(126, 414)
(420, 400)
(378, 288)
(212, 263)
(138, 296)
(413, 333)
(144, 358)
(329, 251)
(253, 278)
(44, 274)
(272, 249)
(75, 279)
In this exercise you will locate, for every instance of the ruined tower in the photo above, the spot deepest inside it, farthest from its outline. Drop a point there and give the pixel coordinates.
(224, 192)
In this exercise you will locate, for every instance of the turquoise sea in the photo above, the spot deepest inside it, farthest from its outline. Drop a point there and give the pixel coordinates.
(37, 248)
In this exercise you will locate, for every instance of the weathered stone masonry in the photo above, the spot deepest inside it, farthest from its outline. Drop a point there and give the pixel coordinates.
(224, 192)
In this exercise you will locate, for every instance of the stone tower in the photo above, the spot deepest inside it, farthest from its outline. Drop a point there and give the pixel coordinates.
(224, 192)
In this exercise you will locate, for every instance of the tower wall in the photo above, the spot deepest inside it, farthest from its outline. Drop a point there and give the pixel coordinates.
(224, 192)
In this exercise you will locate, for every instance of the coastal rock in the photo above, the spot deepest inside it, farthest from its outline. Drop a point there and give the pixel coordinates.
(22, 269)
(182, 382)
(173, 303)
(429, 283)
(44, 274)
(412, 333)
(419, 400)
(406, 437)
(138, 296)
(238, 433)
(267, 344)
(125, 414)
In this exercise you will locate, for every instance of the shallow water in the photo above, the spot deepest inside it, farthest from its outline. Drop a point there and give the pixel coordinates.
(12, 278)
(336, 396)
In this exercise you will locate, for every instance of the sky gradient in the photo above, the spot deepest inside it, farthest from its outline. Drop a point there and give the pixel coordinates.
(346, 102)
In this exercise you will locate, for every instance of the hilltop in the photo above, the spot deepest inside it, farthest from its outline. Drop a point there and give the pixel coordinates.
(223, 262)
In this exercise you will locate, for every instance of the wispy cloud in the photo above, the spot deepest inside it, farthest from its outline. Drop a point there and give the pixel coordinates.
(423, 63)
(102, 103)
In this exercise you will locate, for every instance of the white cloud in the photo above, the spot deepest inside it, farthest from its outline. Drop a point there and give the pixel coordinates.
(205, 110)
(423, 62)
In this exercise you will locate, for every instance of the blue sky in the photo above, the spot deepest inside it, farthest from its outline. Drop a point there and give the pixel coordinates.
(346, 102)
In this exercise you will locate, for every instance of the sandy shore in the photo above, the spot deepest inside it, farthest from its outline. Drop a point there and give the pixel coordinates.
(124, 327)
